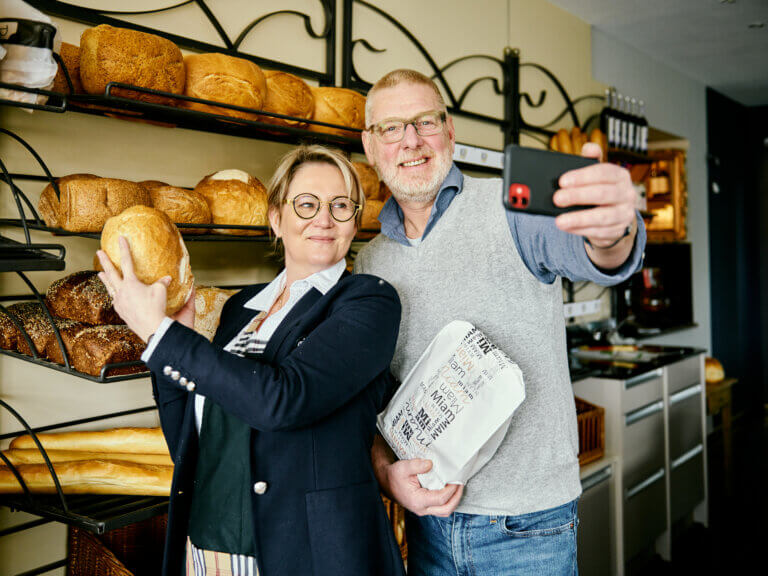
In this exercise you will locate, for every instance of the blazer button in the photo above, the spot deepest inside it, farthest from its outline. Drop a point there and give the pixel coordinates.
(175, 375)
(183, 381)
(191, 386)
(167, 370)
(260, 487)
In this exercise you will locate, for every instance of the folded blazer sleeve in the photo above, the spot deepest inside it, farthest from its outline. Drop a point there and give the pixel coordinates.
(344, 353)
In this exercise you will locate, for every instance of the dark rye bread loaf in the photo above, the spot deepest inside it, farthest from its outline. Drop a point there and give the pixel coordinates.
(35, 322)
(96, 346)
(82, 297)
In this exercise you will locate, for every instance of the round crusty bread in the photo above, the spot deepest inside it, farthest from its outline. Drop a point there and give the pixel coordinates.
(157, 250)
(369, 219)
(227, 79)
(369, 180)
(713, 370)
(208, 304)
(287, 94)
(340, 106)
(236, 201)
(182, 206)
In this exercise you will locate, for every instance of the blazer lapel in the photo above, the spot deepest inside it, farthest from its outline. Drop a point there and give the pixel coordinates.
(294, 317)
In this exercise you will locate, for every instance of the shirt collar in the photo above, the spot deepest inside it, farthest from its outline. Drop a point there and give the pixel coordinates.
(322, 281)
(391, 215)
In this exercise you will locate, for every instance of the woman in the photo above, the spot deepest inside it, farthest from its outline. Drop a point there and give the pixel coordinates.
(270, 426)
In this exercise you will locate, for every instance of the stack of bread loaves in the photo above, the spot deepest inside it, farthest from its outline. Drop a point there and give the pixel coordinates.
(117, 461)
(92, 333)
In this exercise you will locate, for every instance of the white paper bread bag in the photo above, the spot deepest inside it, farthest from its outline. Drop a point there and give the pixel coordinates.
(455, 405)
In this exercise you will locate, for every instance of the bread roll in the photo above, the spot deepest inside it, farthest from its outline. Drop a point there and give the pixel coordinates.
(553, 143)
(564, 143)
(339, 106)
(369, 180)
(45, 338)
(150, 185)
(8, 332)
(713, 370)
(208, 304)
(91, 477)
(36, 324)
(369, 219)
(88, 201)
(68, 333)
(82, 296)
(227, 79)
(96, 346)
(182, 207)
(34, 456)
(157, 250)
(236, 198)
(110, 54)
(70, 57)
(599, 138)
(131, 439)
(289, 95)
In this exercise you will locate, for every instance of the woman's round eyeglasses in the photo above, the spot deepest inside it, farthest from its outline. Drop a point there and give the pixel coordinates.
(306, 206)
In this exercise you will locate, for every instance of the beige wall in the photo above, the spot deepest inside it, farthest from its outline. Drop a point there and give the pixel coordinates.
(109, 147)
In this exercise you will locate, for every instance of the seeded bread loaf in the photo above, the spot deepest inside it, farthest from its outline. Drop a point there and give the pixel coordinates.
(82, 297)
(96, 346)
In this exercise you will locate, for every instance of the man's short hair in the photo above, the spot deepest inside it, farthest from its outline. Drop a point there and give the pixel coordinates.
(397, 77)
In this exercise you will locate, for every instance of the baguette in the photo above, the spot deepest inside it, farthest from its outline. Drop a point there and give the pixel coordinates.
(121, 440)
(91, 477)
(35, 457)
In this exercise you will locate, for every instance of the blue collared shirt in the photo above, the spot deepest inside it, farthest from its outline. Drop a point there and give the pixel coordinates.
(546, 250)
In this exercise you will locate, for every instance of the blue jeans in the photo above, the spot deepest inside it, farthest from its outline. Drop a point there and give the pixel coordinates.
(540, 543)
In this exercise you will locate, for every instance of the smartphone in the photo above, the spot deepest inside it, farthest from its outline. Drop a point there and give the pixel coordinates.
(530, 179)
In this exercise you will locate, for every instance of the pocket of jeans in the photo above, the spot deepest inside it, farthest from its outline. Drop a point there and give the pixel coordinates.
(545, 523)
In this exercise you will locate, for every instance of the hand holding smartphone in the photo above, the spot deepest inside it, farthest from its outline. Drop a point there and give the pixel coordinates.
(531, 178)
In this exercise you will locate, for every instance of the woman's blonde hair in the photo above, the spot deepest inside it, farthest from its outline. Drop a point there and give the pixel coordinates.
(277, 191)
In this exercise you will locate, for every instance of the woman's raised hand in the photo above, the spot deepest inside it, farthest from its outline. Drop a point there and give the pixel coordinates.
(141, 306)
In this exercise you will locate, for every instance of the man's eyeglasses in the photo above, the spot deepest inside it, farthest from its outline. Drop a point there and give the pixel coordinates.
(308, 205)
(393, 130)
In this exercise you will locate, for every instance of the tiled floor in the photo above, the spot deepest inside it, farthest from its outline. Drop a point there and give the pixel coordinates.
(736, 541)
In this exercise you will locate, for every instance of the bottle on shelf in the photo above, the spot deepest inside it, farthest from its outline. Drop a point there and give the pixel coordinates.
(633, 126)
(621, 140)
(642, 139)
(608, 119)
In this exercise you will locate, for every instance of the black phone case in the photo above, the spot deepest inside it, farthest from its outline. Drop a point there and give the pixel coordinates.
(530, 179)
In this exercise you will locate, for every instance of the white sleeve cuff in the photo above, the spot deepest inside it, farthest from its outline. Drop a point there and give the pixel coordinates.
(156, 337)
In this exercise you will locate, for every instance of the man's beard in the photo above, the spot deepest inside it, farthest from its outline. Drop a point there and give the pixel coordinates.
(417, 190)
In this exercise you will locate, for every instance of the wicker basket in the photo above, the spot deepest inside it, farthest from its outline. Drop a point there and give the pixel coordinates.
(396, 515)
(591, 422)
(136, 549)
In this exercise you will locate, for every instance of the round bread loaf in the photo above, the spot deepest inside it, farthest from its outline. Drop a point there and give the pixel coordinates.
(713, 370)
(157, 250)
(109, 54)
(369, 219)
(227, 79)
(340, 106)
(208, 304)
(287, 94)
(369, 180)
(236, 198)
(182, 206)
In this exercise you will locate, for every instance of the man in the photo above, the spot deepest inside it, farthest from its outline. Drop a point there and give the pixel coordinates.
(453, 252)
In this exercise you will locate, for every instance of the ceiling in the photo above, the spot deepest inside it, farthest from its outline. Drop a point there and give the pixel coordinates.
(707, 40)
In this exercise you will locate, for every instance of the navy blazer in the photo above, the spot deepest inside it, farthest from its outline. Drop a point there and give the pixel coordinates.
(311, 401)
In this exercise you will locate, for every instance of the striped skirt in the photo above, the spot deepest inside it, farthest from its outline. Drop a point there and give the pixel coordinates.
(211, 563)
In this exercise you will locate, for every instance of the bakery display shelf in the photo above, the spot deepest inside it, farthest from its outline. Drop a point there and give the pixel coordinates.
(93, 512)
(18, 256)
(104, 376)
(112, 105)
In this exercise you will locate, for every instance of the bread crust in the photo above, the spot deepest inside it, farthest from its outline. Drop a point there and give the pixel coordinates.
(82, 296)
(208, 304)
(109, 54)
(122, 440)
(237, 203)
(226, 79)
(289, 95)
(340, 106)
(182, 207)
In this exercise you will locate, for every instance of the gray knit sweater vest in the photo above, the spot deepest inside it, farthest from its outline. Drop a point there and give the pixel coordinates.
(468, 268)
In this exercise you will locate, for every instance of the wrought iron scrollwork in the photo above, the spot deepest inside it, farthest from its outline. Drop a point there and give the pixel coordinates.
(97, 16)
(352, 79)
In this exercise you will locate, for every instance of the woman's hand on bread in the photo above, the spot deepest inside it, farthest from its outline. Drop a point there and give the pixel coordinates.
(141, 306)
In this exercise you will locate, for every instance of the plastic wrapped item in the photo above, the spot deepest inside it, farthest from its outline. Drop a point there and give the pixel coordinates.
(455, 405)
(28, 39)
